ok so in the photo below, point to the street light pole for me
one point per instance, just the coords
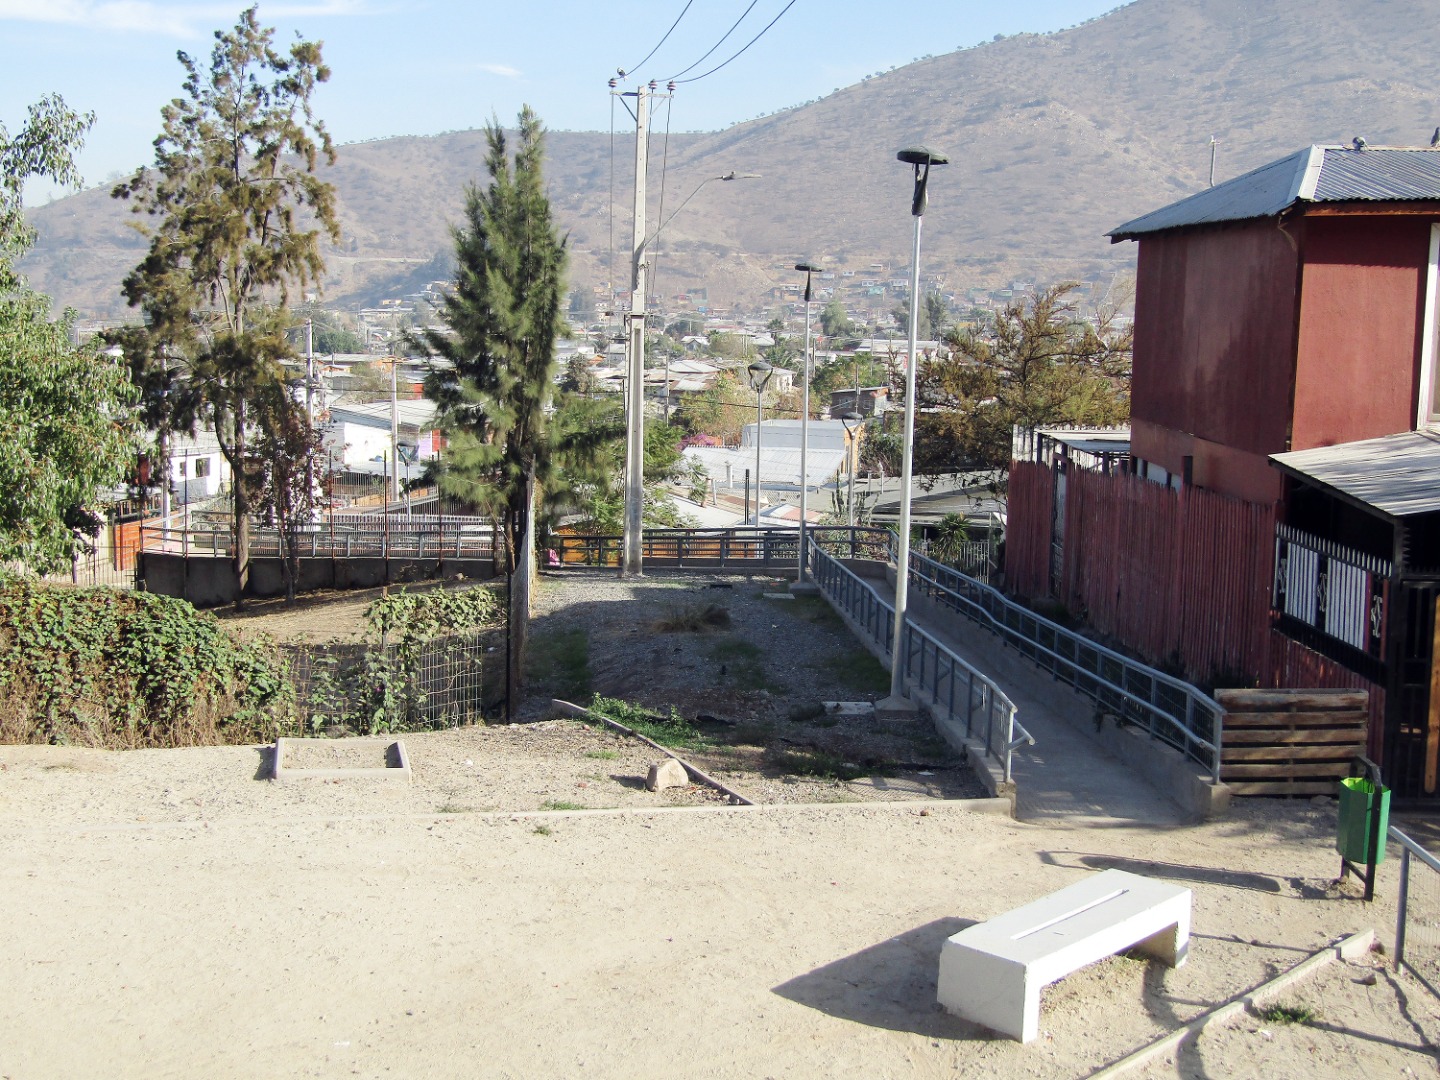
(921, 158)
(808, 269)
(760, 373)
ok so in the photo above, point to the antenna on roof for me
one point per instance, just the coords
(1213, 144)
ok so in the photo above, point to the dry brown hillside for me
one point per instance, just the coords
(1054, 140)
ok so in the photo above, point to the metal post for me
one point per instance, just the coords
(1404, 908)
(394, 428)
(902, 557)
(922, 160)
(632, 559)
(759, 420)
(805, 424)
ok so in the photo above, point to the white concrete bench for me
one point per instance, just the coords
(991, 973)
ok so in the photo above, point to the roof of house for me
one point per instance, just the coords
(1397, 475)
(1317, 174)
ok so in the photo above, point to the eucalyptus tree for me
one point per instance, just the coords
(64, 410)
(235, 212)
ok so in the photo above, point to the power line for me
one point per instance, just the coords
(652, 52)
(717, 44)
(737, 56)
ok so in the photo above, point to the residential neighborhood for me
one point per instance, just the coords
(933, 580)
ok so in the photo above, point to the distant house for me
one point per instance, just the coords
(1278, 520)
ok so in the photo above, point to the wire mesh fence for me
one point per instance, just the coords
(1417, 922)
(343, 688)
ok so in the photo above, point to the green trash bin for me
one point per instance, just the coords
(1359, 800)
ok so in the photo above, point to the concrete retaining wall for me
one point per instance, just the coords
(208, 582)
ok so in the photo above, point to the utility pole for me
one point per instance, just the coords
(635, 390)
(395, 427)
(310, 412)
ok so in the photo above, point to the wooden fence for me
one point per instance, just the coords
(1027, 533)
(1182, 577)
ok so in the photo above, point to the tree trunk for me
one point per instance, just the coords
(521, 581)
(241, 561)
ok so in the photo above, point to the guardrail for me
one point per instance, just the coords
(1169, 709)
(1417, 940)
(964, 695)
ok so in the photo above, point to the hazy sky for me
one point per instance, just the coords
(412, 67)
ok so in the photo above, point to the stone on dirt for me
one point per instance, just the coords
(666, 774)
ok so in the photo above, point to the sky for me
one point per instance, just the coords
(421, 67)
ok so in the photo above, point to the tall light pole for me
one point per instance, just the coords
(809, 270)
(920, 158)
(759, 373)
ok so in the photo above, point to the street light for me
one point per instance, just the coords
(759, 373)
(920, 158)
(809, 270)
(631, 562)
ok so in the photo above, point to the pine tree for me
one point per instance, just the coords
(495, 393)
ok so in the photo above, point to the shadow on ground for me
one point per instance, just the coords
(890, 985)
(1207, 875)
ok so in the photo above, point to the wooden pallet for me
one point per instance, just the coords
(1290, 742)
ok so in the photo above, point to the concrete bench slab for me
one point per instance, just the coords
(992, 973)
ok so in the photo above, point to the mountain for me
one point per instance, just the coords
(1053, 139)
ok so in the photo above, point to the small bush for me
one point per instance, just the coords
(672, 731)
(1288, 1014)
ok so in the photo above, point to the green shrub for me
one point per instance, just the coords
(99, 667)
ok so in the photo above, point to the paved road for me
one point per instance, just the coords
(1068, 775)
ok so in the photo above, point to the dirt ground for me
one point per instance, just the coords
(175, 913)
(169, 914)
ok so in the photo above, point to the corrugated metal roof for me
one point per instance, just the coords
(1399, 475)
(1316, 174)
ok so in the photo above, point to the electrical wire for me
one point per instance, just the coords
(717, 44)
(737, 56)
(652, 52)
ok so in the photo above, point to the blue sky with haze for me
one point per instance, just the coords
(418, 68)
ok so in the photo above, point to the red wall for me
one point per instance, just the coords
(1215, 314)
(1361, 308)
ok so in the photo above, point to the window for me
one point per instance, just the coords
(202, 467)
(1428, 412)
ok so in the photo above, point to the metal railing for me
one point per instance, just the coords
(960, 694)
(738, 548)
(1417, 921)
(372, 540)
(1169, 709)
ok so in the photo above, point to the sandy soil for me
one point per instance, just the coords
(169, 914)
